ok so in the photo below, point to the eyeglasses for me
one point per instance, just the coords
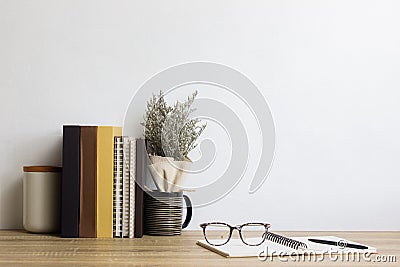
(218, 233)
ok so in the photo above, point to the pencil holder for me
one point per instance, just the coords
(41, 199)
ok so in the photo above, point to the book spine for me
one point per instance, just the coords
(88, 177)
(70, 182)
(132, 178)
(141, 168)
(118, 187)
(105, 174)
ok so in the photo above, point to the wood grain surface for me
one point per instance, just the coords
(19, 248)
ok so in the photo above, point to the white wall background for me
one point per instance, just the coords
(330, 71)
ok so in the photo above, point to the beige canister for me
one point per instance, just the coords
(42, 199)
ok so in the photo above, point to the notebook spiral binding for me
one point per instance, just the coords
(285, 241)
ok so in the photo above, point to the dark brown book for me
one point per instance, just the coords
(142, 161)
(70, 181)
(88, 178)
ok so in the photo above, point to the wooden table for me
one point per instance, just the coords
(18, 247)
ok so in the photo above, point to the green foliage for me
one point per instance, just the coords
(168, 130)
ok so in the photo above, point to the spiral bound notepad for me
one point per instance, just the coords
(275, 245)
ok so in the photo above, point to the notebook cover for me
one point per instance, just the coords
(88, 150)
(132, 179)
(105, 176)
(125, 185)
(141, 165)
(70, 181)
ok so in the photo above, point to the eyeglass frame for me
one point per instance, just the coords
(237, 227)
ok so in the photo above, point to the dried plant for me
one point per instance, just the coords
(169, 131)
(156, 113)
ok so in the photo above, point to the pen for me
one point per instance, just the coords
(337, 243)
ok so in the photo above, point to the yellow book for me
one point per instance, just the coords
(105, 176)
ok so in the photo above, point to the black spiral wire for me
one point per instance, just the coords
(285, 241)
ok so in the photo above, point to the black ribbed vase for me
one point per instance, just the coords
(163, 213)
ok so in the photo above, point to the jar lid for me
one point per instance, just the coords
(42, 169)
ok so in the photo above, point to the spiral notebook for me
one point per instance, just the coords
(276, 245)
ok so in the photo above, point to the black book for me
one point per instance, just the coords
(141, 170)
(70, 181)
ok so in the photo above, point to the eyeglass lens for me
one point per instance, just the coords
(253, 234)
(217, 234)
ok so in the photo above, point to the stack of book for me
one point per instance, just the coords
(103, 174)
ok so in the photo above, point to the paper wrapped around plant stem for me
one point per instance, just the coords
(182, 171)
(156, 159)
(168, 175)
